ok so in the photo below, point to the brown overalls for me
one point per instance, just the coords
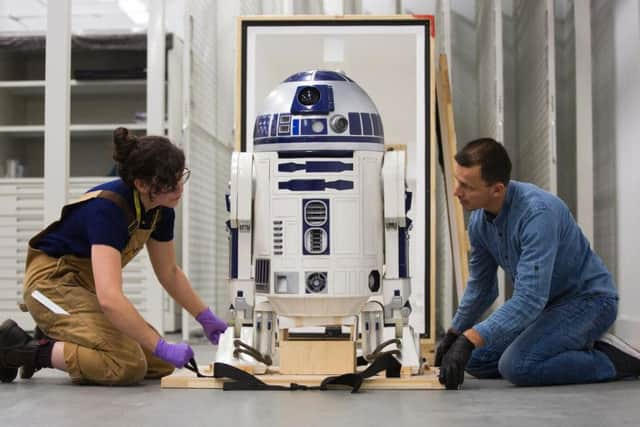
(95, 351)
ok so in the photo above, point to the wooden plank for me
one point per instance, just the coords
(427, 350)
(317, 357)
(426, 381)
(459, 241)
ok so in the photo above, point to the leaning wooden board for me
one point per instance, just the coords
(427, 381)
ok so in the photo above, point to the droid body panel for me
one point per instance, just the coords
(318, 226)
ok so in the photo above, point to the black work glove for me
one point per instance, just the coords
(443, 346)
(454, 362)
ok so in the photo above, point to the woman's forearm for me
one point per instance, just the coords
(180, 290)
(127, 320)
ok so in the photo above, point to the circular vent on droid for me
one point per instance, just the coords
(316, 282)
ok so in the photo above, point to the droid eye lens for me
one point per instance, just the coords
(309, 96)
(339, 123)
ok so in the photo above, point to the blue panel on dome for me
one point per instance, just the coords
(366, 124)
(329, 75)
(274, 125)
(305, 76)
(261, 128)
(320, 138)
(296, 127)
(330, 100)
(379, 122)
(312, 99)
(300, 77)
(376, 124)
(354, 124)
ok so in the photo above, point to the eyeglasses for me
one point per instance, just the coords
(186, 174)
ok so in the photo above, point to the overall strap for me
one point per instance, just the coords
(138, 206)
(132, 219)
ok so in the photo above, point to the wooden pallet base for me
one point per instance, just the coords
(426, 381)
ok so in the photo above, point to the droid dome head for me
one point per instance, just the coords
(318, 111)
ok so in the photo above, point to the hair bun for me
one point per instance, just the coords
(120, 134)
(123, 144)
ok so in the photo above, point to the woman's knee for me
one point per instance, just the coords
(120, 367)
(130, 372)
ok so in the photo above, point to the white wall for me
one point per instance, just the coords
(463, 69)
(627, 129)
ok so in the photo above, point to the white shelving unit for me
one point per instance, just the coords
(98, 106)
(21, 217)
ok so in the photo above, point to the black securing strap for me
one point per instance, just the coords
(245, 381)
(386, 362)
(193, 367)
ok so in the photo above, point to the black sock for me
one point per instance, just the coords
(43, 354)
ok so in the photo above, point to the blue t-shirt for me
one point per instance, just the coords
(101, 222)
(541, 248)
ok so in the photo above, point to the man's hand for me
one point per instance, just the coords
(454, 362)
(444, 345)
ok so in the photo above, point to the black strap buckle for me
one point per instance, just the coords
(193, 367)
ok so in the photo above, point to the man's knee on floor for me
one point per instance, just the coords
(512, 367)
(482, 365)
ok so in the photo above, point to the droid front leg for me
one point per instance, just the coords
(238, 341)
(396, 282)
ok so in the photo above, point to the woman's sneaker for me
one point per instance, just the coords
(625, 358)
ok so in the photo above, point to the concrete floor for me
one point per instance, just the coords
(49, 399)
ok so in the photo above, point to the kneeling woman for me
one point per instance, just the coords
(77, 263)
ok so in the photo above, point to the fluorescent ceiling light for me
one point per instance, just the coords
(136, 10)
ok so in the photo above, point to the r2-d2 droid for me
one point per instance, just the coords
(318, 227)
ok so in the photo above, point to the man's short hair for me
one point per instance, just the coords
(495, 165)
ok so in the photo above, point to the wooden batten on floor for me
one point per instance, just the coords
(426, 381)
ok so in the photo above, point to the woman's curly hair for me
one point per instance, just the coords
(155, 160)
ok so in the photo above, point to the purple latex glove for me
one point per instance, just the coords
(213, 326)
(176, 354)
